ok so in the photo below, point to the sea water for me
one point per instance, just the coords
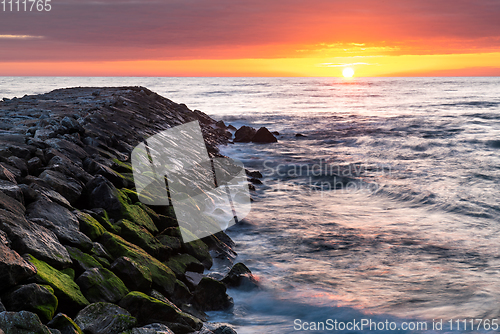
(385, 208)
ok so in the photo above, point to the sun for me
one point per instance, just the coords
(348, 72)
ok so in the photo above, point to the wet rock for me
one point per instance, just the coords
(244, 134)
(64, 324)
(300, 135)
(240, 276)
(89, 226)
(33, 298)
(149, 310)
(263, 135)
(220, 328)
(199, 250)
(135, 276)
(104, 318)
(22, 322)
(71, 299)
(181, 263)
(210, 295)
(53, 212)
(254, 174)
(102, 194)
(150, 329)
(67, 148)
(13, 268)
(42, 192)
(276, 133)
(66, 186)
(101, 285)
(28, 237)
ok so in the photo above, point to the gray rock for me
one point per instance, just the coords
(66, 186)
(28, 237)
(102, 194)
(42, 192)
(7, 175)
(101, 285)
(67, 147)
(53, 212)
(65, 235)
(33, 298)
(151, 329)
(13, 268)
(12, 190)
(22, 322)
(19, 164)
(104, 318)
(43, 134)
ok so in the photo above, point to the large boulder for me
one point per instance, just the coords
(10, 204)
(150, 310)
(210, 295)
(161, 275)
(135, 276)
(22, 322)
(104, 318)
(53, 212)
(13, 268)
(66, 290)
(244, 134)
(28, 237)
(68, 187)
(12, 190)
(263, 135)
(101, 285)
(34, 298)
(65, 235)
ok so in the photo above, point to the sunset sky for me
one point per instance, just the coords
(253, 38)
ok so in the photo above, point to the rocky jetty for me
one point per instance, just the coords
(78, 252)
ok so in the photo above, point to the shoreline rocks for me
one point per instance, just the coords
(78, 251)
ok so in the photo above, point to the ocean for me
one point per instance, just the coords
(379, 203)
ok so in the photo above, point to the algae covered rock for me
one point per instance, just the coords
(150, 310)
(33, 298)
(162, 276)
(82, 261)
(89, 226)
(136, 276)
(141, 236)
(66, 290)
(64, 324)
(104, 318)
(101, 285)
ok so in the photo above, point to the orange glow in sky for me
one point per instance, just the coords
(254, 38)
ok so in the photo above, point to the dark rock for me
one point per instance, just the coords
(7, 175)
(244, 134)
(220, 124)
(131, 273)
(255, 180)
(28, 237)
(64, 324)
(22, 322)
(255, 174)
(34, 165)
(150, 310)
(89, 226)
(65, 235)
(102, 194)
(64, 165)
(220, 328)
(33, 298)
(19, 164)
(96, 168)
(101, 285)
(300, 135)
(240, 276)
(104, 318)
(210, 295)
(264, 136)
(12, 190)
(66, 186)
(199, 250)
(13, 268)
(2, 307)
(276, 133)
(71, 124)
(82, 261)
(151, 329)
(42, 192)
(11, 205)
(71, 299)
(53, 212)
(67, 147)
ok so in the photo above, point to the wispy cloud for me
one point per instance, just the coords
(342, 64)
(19, 37)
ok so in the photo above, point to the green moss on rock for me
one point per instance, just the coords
(135, 213)
(64, 324)
(67, 291)
(89, 226)
(139, 235)
(101, 285)
(161, 275)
